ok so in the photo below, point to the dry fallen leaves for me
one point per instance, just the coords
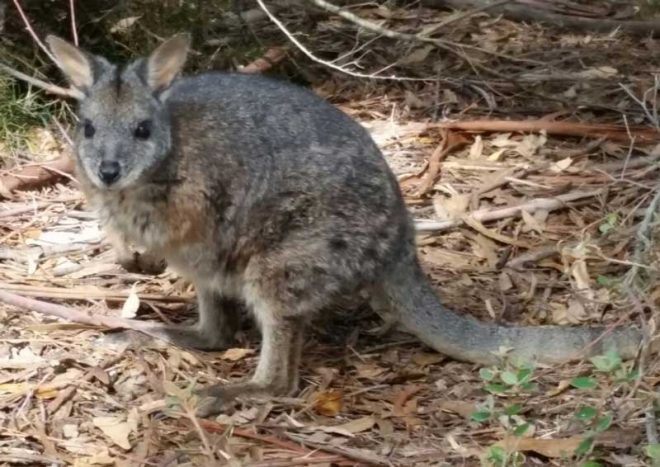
(235, 354)
(349, 429)
(328, 403)
(561, 447)
(118, 429)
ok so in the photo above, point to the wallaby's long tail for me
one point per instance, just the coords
(407, 290)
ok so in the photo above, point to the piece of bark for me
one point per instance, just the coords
(268, 60)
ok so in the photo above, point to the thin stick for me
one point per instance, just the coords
(376, 28)
(613, 132)
(484, 215)
(331, 65)
(48, 87)
(71, 314)
(367, 457)
(28, 26)
(83, 293)
(74, 33)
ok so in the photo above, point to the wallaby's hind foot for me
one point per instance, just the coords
(276, 373)
(216, 398)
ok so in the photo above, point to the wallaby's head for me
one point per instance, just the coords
(124, 128)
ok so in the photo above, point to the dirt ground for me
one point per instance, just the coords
(70, 396)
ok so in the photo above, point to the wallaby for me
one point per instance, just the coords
(262, 193)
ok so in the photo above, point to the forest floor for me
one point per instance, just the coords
(570, 255)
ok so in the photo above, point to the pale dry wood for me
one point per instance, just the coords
(485, 215)
(565, 128)
(71, 314)
(88, 293)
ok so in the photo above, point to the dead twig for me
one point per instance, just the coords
(592, 130)
(334, 66)
(355, 454)
(215, 427)
(485, 215)
(72, 12)
(48, 87)
(450, 142)
(376, 28)
(88, 293)
(70, 314)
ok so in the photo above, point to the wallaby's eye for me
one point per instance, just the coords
(143, 130)
(88, 129)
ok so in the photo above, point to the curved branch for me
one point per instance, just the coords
(48, 87)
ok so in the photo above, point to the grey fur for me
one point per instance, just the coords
(262, 192)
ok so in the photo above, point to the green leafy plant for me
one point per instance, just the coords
(497, 456)
(516, 379)
(609, 224)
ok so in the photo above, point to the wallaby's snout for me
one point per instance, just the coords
(109, 172)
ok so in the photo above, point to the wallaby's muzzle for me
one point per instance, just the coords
(109, 172)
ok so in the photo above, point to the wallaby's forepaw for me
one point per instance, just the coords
(219, 397)
(142, 263)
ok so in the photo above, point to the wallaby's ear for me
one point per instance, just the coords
(165, 63)
(77, 66)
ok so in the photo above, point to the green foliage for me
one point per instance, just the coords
(608, 362)
(497, 456)
(518, 379)
(584, 382)
(610, 223)
(652, 451)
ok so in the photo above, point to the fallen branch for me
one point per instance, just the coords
(31, 176)
(525, 11)
(592, 130)
(484, 215)
(88, 293)
(215, 427)
(48, 87)
(450, 142)
(71, 314)
(532, 256)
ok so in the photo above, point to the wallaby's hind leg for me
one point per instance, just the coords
(277, 370)
(219, 318)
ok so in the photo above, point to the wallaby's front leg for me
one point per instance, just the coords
(219, 318)
(277, 370)
(134, 261)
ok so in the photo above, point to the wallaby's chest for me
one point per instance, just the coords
(162, 224)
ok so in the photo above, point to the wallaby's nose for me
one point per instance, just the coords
(109, 172)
